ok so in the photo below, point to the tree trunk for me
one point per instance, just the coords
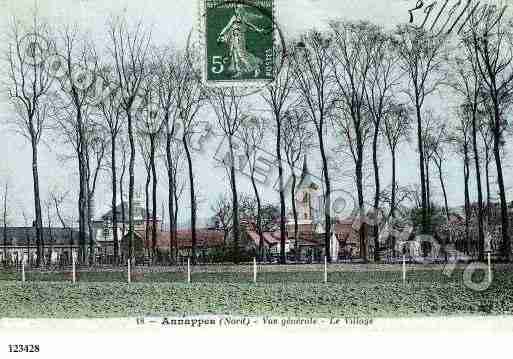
(82, 198)
(192, 199)
(154, 195)
(424, 214)
(446, 204)
(442, 184)
(506, 245)
(171, 186)
(428, 192)
(327, 195)
(376, 190)
(481, 238)
(121, 195)
(146, 216)
(294, 213)
(37, 204)
(392, 200)
(50, 233)
(281, 185)
(114, 201)
(466, 174)
(487, 174)
(175, 223)
(361, 209)
(81, 208)
(235, 204)
(131, 185)
(89, 205)
(90, 214)
(259, 216)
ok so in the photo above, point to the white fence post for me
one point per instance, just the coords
(129, 277)
(23, 271)
(325, 269)
(404, 268)
(188, 269)
(489, 268)
(73, 269)
(254, 270)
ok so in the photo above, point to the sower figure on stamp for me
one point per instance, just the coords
(234, 35)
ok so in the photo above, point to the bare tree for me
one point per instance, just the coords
(89, 142)
(379, 92)
(75, 119)
(144, 150)
(462, 139)
(29, 84)
(314, 82)
(95, 148)
(493, 49)
(174, 157)
(164, 74)
(359, 57)
(435, 140)
(252, 132)
(223, 217)
(432, 129)
(395, 127)
(150, 126)
(279, 95)
(129, 50)
(123, 146)
(230, 112)
(113, 120)
(421, 58)
(189, 99)
(58, 198)
(486, 136)
(469, 85)
(296, 143)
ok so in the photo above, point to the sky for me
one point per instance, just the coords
(171, 21)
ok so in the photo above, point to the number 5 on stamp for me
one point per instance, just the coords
(239, 38)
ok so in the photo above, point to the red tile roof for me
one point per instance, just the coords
(204, 238)
(270, 238)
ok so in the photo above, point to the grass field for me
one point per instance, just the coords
(292, 293)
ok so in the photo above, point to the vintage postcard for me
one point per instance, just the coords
(248, 173)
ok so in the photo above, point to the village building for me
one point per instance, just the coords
(103, 228)
(311, 231)
(20, 244)
(309, 240)
(208, 241)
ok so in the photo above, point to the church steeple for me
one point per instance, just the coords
(305, 168)
(306, 180)
(306, 189)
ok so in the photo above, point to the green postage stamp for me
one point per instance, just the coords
(238, 42)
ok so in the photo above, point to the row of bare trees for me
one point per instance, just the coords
(355, 85)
